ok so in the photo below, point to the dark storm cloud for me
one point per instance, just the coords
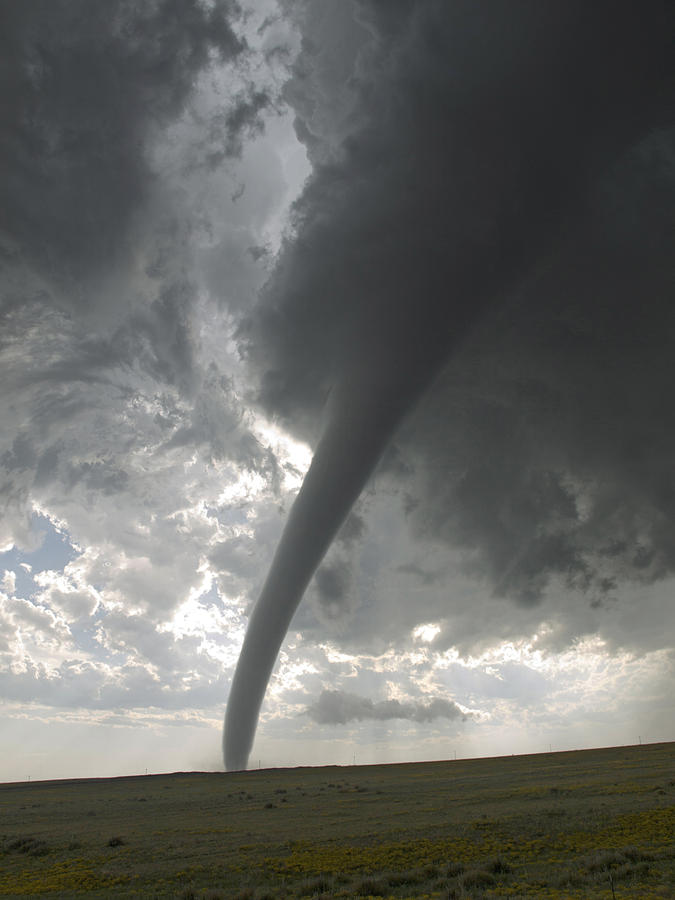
(85, 88)
(545, 450)
(500, 96)
(107, 109)
(340, 707)
(556, 402)
(96, 229)
(469, 142)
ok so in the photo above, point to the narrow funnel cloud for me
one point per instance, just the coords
(455, 183)
(344, 459)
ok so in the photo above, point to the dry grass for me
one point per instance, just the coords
(588, 824)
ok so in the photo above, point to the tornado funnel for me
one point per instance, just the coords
(453, 187)
(357, 433)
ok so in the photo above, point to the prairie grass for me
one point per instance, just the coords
(583, 824)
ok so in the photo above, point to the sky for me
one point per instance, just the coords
(426, 244)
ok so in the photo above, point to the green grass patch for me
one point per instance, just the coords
(587, 824)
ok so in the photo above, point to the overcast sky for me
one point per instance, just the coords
(229, 230)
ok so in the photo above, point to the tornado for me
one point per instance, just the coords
(423, 227)
(358, 431)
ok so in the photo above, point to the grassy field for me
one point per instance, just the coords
(587, 824)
